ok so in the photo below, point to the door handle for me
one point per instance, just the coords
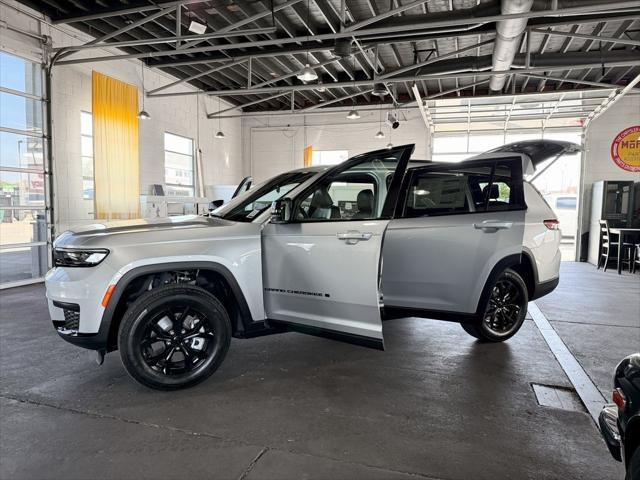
(353, 236)
(492, 226)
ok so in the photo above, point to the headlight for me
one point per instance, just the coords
(78, 258)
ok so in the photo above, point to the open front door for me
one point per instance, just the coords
(243, 186)
(321, 270)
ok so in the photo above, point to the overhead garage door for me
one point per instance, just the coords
(272, 152)
(24, 222)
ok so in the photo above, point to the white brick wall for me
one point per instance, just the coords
(598, 164)
(333, 132)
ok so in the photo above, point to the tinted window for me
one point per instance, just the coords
(493, 186)
(447, 192)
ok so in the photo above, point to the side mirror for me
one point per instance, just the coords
(215, 204)
(281, 210)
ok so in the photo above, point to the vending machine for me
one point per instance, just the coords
(611, 200)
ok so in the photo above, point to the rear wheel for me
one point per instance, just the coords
(174, 337)
(505, 310)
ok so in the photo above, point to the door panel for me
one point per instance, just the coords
(455, 223)
(315, 276)
(442, 263)
(321, 271)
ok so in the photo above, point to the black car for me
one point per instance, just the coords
(620, 420)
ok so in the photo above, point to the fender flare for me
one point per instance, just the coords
(497, 269)
(137, 272)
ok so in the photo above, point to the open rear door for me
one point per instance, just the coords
(321, 270)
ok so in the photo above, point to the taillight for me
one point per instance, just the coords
(619, 399)
(552, 224)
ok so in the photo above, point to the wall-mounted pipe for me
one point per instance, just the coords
(508, 34)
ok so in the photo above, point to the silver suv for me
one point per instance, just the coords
(325, 251)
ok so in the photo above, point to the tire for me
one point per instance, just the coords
(174, 337)
(633, 468)
(505, 310)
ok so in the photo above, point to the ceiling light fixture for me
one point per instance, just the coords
(197, 27)
(379, 90)
(380, 133)
(307, 74)
(143, 114)
(389, 145)
(219, 133)
(353, 114)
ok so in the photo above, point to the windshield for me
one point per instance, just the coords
(258, 199)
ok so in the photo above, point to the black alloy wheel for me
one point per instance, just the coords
(178, 339)
(174, 337)
(505, 311)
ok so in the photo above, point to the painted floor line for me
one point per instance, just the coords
(588, 392)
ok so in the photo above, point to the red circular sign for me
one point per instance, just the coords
(625, 149)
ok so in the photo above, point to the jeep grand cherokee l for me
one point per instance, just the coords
(326, 251)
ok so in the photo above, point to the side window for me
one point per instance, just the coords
(494, 186)
(356, 193)
(447, 191)
(348, 197)
(506, 188)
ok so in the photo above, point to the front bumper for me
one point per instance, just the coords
(74, 297)
(608, 421)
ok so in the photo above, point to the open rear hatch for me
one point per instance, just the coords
(538, 152)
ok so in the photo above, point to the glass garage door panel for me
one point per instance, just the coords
(20, 113)
(24, 225)
(21, 263)
(20, 226)
(21, 151)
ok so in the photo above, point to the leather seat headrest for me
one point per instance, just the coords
(365, 201)
(494, 193)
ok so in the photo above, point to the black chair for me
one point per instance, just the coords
(636, 258)
(608, 248)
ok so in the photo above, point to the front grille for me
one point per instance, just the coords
(71, 319)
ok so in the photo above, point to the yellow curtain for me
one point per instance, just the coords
(308, 156)
(115, 146)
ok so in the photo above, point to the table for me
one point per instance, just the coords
(622, 232)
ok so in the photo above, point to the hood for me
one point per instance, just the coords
(118, 227)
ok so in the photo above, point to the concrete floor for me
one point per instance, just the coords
(435, 404)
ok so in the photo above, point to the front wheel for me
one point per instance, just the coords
(174, 336)
(505, 310)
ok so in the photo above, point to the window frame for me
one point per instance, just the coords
(393, 189)
(82, 157)
(192, 186)
(516, 177)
